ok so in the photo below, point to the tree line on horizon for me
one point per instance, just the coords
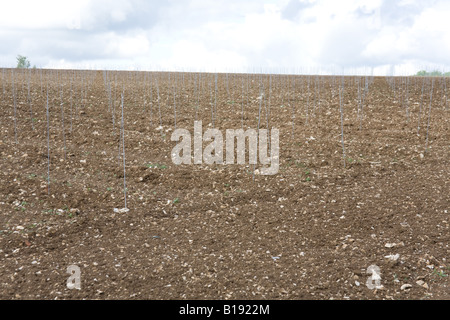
(435, 73)
(24, 63)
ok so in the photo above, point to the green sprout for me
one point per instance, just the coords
(156, 165)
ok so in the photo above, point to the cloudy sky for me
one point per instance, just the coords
(319, 36)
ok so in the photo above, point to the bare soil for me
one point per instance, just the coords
(222, 231)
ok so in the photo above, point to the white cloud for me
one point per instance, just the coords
(228, 34)
(44, 14)
(195, 56)
(126, 46)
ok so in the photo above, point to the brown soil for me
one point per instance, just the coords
(220, 231)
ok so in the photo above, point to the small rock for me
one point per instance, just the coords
(74, 210)
(404, 224)
(422, 284)
(405, 287)
(393, 257)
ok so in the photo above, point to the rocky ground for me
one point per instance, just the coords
(315, 230)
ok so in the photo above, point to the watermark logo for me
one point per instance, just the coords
(214, 151)
(74, 281)
(374, 281)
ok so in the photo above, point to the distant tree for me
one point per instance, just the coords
(435, 73)
(22, 62)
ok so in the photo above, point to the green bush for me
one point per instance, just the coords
(22, 62)
(434, 73)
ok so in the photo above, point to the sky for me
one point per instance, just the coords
(380, 37)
